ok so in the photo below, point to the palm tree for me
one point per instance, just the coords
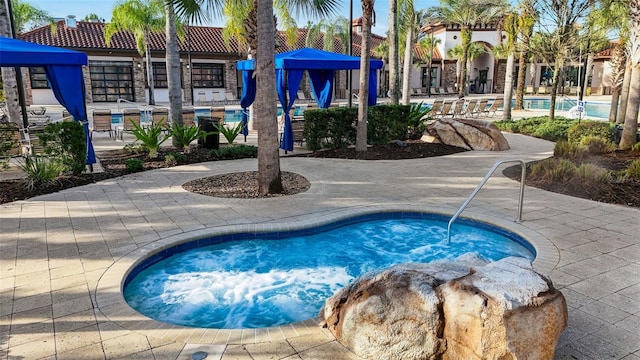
(329, 31)
(141, 17)
(467, 14)
(618, 65)
(23, 14)
(633, 102)
(392, 39)
(173, 66)
(428, 45)
(474, 50)
(27, 16)
(511, 30)
(365, 56)
(258, 33)
(411, 23)
(526, 20)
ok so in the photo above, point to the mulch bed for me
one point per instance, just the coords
(226, 185)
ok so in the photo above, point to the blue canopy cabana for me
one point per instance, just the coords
(290, 67)
(64, 72)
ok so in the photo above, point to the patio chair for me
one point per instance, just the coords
(66, 115)
(458, 108)
(160, 116)
(434, 92)
(542, 90)
(482, 105)
(446, 109)
(202, 98)
(443, 91)
(436, 107)
(418, 92)
(529, 90)
(129, 117)
(101, 121)
(32, 138)
(188, 116)
(451, 91)
(302, 97)
(495, 106)
(470, 108)
(297, 126)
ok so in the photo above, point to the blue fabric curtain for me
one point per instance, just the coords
(247, 98)
(67, 83)
(287, 80)
(373, 88)
(322, 86)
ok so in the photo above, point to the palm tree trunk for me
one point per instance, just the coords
(615, 101)
(618, 62)
(522, 72)
(9, 80)
(465, 34)
(631, 117)
(394, 67)
(624, 93)
(269, 180)
(173, 69)
(152, 100)
(508, 87)
(408, 65)
(554, 89)
(363, 105)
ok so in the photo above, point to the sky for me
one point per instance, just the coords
(81, 8)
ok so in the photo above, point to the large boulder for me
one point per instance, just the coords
(470, 134)
(462, 309)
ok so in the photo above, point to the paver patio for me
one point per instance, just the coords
(62, 255)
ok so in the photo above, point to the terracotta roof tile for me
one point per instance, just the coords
(205, 40)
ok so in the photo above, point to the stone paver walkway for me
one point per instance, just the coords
(63, 255)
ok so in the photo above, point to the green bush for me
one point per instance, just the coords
(235, 152)
(553, 170)
(567, 150)
(134, 165)
(65, 141)
(597, 145)
(633, 170)
(589, 174)
(134, 149)
(230, 133)
(582, 129)
(539, 126)
(40, 170)
(416, 121)
(185, 135)
(173, 158)
(636, 148)
(151, 137)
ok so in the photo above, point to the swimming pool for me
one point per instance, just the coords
(251, 280)
(592, 108)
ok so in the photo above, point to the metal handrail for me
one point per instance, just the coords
(146, 109)
(481, 184)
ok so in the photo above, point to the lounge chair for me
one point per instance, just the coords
(458, 108)
(230, 98)
(101, 121)
(434, 92)
(495, 107)
(529, 90)
(202, 98)
(446, 109)
(218, 98)
(443, 91)
(470, 109)
(419, 92)
(129, 117)
(480, 108)
(436, 107)
(160, 116)
(34, 146)
(451, 91)
(302, 97)
(188, 116)
(542, 90)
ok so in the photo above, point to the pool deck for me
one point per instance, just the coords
(63, 255)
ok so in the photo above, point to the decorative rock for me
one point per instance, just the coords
(470, 134)
(461, 309)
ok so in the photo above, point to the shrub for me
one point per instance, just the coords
(416, 121)
(151, 137)
(539, 126)
(134, 165)
(9, 138)
(134, 149)
(235, 152)
(567, 150)
(173, 158)
(579, 130)
(553, 170)
(587, 174)
(185, 135)
(230, 133)
(633, 170)
(65, 141)
(636, 148)
(41, 171)
(597, 145)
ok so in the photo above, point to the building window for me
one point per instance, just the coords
(434, 77)
(38, 78)
(208, 75)
(111, 81)
(159, 75)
